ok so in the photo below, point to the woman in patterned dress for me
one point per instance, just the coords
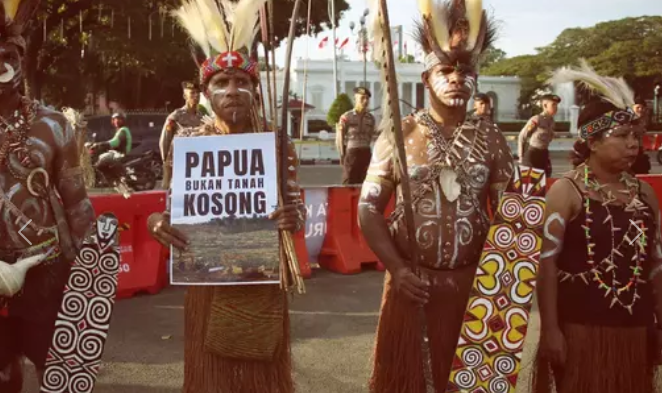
(600, 261)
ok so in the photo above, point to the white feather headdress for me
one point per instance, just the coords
(220, 26)
(613, 90)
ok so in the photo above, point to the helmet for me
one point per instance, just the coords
(118, 115)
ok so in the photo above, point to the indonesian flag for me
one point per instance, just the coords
(344, 43)
(323, 43)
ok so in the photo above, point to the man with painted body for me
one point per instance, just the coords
(455, 166)
(229, 79)
(354, 135)
(188, 116)
(538, 134)
(44, 206)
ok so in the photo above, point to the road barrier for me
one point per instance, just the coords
(332, 236)
(143, 262)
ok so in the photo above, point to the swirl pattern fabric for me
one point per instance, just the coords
(81, 329)
(489, 351)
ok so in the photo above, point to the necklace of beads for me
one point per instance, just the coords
(607, 265)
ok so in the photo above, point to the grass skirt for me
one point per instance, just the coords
(398, 363)
(601, 360)
(206, 372)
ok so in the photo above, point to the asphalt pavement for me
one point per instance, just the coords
(333, 329)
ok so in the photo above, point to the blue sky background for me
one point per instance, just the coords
(525, 24)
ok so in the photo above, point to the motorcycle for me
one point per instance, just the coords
(127, 174)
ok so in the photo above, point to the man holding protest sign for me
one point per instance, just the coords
(222, 357)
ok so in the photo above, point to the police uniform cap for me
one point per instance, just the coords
(190, 86)
(482, 97)
(551, 97)
(362, 90)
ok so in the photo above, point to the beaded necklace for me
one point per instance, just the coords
(599, 271)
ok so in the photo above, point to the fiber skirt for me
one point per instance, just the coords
(207, 372)
(601, 360)
(398, 363)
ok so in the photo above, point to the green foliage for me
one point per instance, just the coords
(492, 55)
(340, 105)
(409, 59)
(64, 64)
(630, 47)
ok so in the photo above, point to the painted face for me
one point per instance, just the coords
(192, 97)
(550, 107)
(231, 94)
(452, 86)
(482, 108)
(361, 101)
(618, 148)
(11, 73)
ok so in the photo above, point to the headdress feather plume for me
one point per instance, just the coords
(613, 90)
(11, 8)
(474, 12)
(219, 26)
(437, 16)
(189, 17)
(379, 53)
(456, 31)
(244, 22)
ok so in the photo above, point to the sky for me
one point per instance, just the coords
(525, 24)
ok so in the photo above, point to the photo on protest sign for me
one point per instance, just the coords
(223, 190)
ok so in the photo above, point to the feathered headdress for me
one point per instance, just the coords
(15, 16)
(612, 90)
(224, 31)
(456, 32)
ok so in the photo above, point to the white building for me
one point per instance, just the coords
(504, 91)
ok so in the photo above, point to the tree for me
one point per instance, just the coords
(407, 59)
(340, 105)
(64, 63)
(492, 55)
(629, 48)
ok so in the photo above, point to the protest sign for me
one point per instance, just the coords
(223, 190)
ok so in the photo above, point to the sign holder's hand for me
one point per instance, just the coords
(159, 227)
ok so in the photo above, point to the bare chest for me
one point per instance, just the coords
(26, 172)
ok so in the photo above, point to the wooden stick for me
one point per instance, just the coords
(282, 143)
(394, 103)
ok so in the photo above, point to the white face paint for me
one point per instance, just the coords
(8, 75)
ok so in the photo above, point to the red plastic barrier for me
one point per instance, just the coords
(142, 267)
(345, 250)
(651, 142)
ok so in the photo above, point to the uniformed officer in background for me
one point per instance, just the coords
(354, 134)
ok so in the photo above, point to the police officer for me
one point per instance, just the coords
(354, 133)
(538, 134)
(483, 107)
(188, 116)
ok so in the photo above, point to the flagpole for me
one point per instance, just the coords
(335, 59)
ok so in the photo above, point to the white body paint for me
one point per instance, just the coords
(8, 75)
(554, 217)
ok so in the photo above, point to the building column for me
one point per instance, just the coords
(304, 119)
(289, 124)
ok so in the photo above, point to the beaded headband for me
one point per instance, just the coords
(225, 61)
(606, 122)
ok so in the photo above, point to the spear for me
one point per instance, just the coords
(282, 144)
(392, 121)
